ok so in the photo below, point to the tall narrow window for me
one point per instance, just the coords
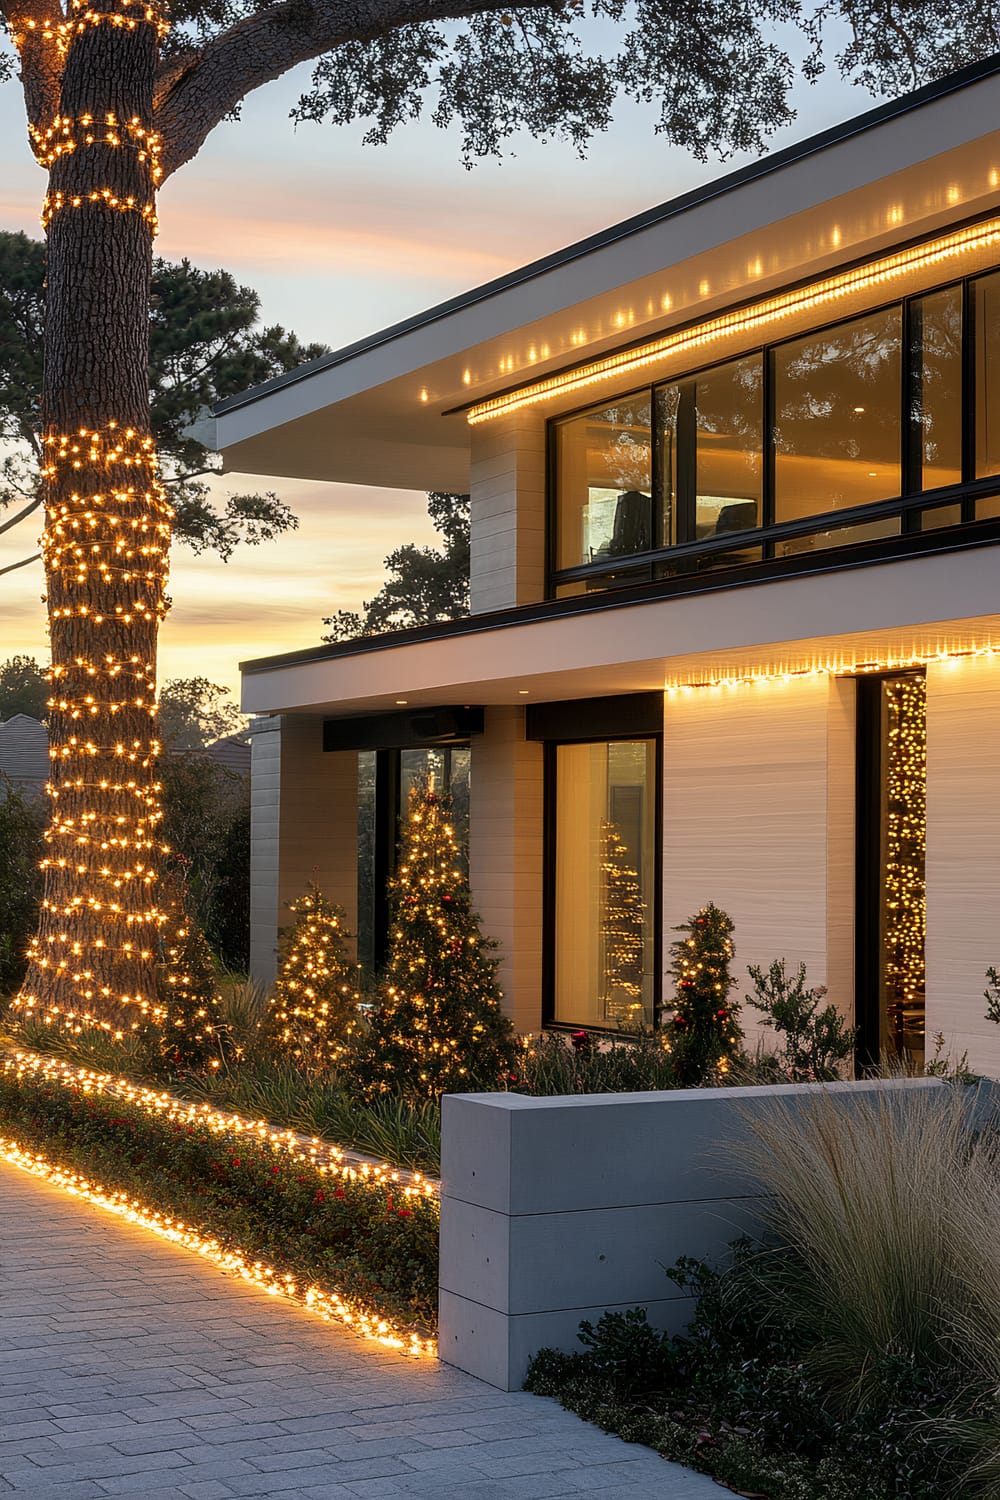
(605, 863)
(892, 860)
(837, 410)
(604, 476)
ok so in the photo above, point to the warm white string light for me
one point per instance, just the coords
(771, 310)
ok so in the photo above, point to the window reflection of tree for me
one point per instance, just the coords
(823, 380)
(936, 396)
(627, 456)
(728, 404)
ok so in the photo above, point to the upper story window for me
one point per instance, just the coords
(820, 441)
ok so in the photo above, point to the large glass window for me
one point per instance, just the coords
(874, 409)
(604, 463)
(605, 865)
(838, 416)
(986, 302)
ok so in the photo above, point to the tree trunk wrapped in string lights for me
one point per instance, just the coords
(107, 533)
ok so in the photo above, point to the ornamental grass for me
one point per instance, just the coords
(885, 1212)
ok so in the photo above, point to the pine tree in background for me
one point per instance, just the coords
(705, 1034)
(437, 1026)
(314, 1004)
(623, 920)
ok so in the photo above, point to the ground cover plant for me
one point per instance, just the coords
(855, 1348)
(370, 1240)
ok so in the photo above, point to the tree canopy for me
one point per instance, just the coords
(205, 343)
(424, 584)
(194, 712)
(23, 688)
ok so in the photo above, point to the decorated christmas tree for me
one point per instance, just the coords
(623, 919)
(314, 1004)
(704, 1026)
(437, 1026)
(191, 1032)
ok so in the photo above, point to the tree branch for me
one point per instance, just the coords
(28, 21)
(12, 567)
(21, 516)
(197, 90)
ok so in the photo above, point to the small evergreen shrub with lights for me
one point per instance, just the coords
(192, 1035)
(313, 1009)
(436, 1026)
(703, 1023)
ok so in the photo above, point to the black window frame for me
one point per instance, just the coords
(692, 557)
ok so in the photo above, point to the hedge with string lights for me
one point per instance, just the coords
(369, 1241)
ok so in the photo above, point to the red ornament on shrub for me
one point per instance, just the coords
(581, 1041)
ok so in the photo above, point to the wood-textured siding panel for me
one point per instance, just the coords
(747, 821)
(505, 856)
(963, 856)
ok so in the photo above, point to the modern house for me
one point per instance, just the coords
(735, 631)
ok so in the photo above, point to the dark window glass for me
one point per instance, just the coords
(669, 441)
(936, 391)
(986, 295)
(603, 469)
(839, 536)
(710, 437)
(941, 516)
(837, 417)
(988, 508)
(367, 834)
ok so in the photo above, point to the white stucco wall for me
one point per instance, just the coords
(303, 828)
(758, 816)
(505, 857)
(963, 855)
(507, 486)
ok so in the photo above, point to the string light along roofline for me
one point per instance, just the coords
(826, 292)
(841, 667)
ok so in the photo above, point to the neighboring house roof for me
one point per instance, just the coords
(24, 751)
(233, 752)
(383, 411)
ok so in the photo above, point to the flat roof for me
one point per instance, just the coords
(382, 411)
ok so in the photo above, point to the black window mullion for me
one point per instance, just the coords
(767, 448)
(968, 394)
(911, 397)
(687, 461)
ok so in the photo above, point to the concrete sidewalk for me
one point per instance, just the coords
(131, 1367)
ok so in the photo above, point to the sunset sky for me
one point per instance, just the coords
(340, 240)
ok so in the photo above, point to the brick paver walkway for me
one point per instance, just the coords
(131, 1367)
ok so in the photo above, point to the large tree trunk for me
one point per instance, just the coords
(107, 535)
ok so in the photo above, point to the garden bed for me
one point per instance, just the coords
(352, 1240)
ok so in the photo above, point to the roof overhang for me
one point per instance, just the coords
(892, 612)
(383, 412)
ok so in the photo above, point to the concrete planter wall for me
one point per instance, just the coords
(553, 1210)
